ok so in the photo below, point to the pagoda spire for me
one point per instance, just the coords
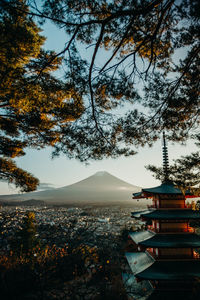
(165, 159)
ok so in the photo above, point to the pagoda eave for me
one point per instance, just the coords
(166, 188)
(171, 270)
(170, 214)
(144, 267)
(149, 239)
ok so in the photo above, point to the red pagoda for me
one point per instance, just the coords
(166, 254)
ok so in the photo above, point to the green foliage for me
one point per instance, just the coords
(142, 42)
(65, 270)
(33, 106)
(22, 179)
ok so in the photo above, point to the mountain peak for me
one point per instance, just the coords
(101, 173)
(102, 187)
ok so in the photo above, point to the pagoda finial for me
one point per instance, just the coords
(165, 160)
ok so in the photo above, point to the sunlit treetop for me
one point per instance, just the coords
(34, 104)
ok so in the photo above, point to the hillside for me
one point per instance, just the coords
(100, 188)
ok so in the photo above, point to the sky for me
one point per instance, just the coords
(62, 171)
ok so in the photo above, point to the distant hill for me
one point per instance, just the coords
(99, 189)
(31, 202)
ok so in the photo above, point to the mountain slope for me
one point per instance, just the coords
(98, 188)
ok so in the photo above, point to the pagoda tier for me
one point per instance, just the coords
(167, 255)
(143, 266)
(166, 188)
(148, 239)
(168, 214)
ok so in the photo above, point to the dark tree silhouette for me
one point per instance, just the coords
(26, 239)
(141, 39)
(185, 172)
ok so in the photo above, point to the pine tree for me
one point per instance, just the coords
(154, 44)
(33, 106)
(26, 239)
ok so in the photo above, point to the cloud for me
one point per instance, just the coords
(43, 186)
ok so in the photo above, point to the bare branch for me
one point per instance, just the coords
(90, 74)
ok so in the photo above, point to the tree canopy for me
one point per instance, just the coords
(32, 105)
(141, 75)
(154, 44)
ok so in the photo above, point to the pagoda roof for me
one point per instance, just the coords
(140, 236)
(170, 214)
(165, 188)
(149, 269)
(171, 270)
(137, 214)
(152, 240)
(139, 261)
(137, 195)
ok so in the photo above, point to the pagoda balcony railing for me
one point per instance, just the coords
(172, 230)
(195, 256)
(174, 206)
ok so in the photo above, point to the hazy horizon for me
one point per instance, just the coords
(100, 188)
